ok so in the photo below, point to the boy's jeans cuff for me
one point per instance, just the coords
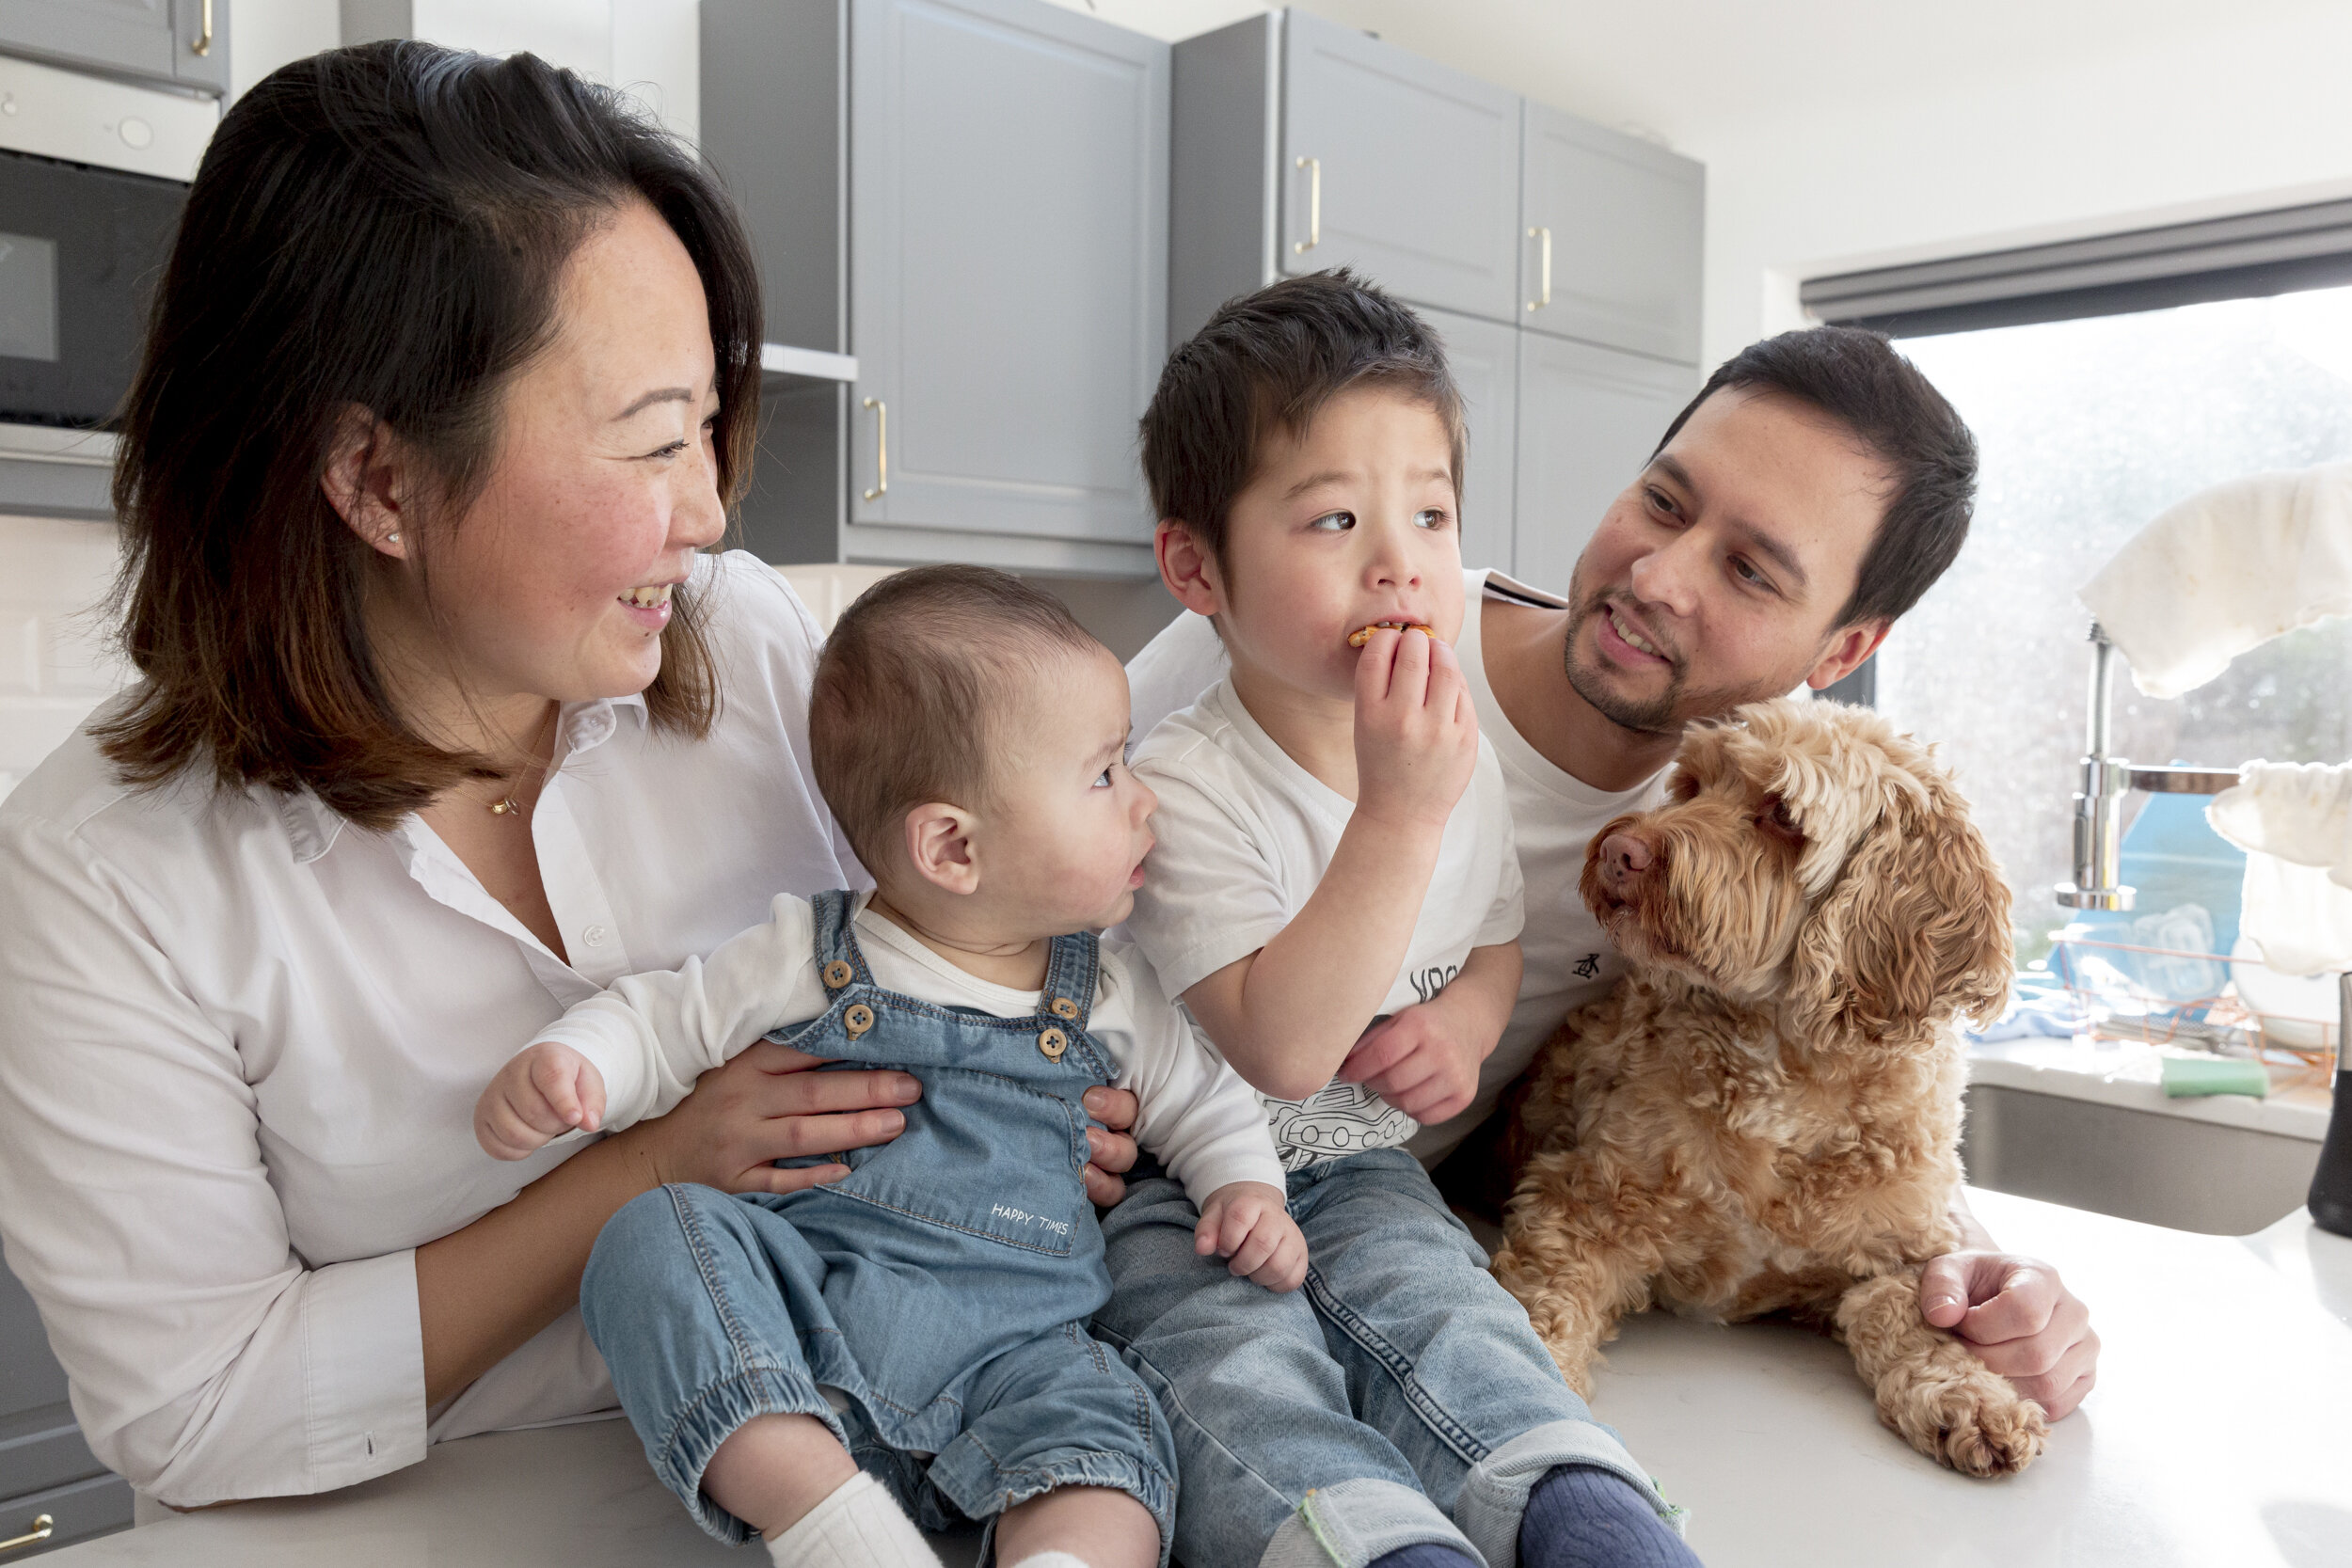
(1356, 1522)
(1494, 1498)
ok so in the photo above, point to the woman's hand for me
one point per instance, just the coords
(767, 1105)
(1113, 1153)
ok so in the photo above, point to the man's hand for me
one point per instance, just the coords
(1251, 1222)
(1416, 730)
(1423, 1060)
(2019, 1318)
(543, 1092)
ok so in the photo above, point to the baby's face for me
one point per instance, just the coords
(1067, 833)
(1351, 523)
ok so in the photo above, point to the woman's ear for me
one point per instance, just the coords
(939, 843)
(1190, 571)
(367, 482)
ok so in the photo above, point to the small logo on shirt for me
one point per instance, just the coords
(1588, 966)
(1022, 1216)
(1429, 982)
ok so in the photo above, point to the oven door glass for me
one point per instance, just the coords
(81, 250)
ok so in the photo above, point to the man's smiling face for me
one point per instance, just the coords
(1716, 577)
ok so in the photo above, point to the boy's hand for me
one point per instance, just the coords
(1416, 731)
(1251, 1222)
(540, 1093)
(1423, 1060)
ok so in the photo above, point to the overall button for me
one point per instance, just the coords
(860, 1018)
(839, 973)
(1062, 1007)
(1053, 1043)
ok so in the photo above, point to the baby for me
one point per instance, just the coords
(1336, 898)
(912, 1338)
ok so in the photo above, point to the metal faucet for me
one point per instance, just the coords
(2106, 779)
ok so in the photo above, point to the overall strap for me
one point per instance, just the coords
(836, 943)
(1071, 977)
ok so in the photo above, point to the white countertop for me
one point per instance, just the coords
(2220, 1433)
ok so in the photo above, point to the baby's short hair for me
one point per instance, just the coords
(1269, 361)
(914, 691)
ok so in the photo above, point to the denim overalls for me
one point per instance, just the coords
(942, 1286)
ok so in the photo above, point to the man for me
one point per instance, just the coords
(1815, 488)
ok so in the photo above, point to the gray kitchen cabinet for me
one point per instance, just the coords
(1589, 419)
(1402, 168)
(158, 39)
(1485, 356)
(970, 196)
(1622, 220)
(45, 1467)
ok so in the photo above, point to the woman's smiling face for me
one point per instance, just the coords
(556, 581)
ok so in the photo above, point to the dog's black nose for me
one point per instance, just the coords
(1623, 855)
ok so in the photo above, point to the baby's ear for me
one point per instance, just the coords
(939, 845)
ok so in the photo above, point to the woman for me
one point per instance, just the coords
(444, 721)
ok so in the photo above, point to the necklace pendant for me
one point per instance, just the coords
(505, 807)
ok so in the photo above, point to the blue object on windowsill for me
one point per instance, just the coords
(2189, 881)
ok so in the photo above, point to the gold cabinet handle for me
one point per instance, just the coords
(1543, 294)
(1314, 205)
(43, 1528)
(203, 46)
(882, 449)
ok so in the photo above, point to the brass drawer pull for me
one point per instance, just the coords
(882, 449)
(201, 48)
(1543, 294)
(1314, 205)
(43, 1528)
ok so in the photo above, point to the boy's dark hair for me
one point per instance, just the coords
(1269, 361)
(1856, 378)
(914, 689)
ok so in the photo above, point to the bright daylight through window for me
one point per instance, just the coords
(2089, 428)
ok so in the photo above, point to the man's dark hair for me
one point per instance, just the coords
(1269, 361)
(1856, 378)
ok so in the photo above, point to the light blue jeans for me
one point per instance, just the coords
(1399, 1397)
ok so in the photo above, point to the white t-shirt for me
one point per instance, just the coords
(1245, 835)
(652, 1035)
(1554, 815)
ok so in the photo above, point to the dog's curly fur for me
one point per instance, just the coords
(1764, 1116)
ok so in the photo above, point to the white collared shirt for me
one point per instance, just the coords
(244, 1040)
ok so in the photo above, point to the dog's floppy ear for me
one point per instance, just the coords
(1914, 930)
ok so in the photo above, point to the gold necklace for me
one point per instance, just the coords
(506, 805)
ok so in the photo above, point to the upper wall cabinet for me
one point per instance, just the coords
(1613, 229)
(1588, 421)
(970, 197)
(1399, 167)
(175, 41)
(1008, 250)
(1485, 358)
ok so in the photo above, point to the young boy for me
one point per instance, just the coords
(1336, 898)
(916, 1330)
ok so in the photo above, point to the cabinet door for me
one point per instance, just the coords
(1008, 268)
(40, 1446)
(1485, 360)
(199, 55)
(1626, 221)
(119, 35)
(1589, 419)
(1399, 167)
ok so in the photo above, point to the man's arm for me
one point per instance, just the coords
(2015, 1313)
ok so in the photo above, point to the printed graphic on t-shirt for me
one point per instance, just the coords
(1588, 966)
(1339, 1118)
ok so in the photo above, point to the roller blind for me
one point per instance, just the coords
(2146, 269)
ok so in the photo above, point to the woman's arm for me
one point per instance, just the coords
(485, 1290)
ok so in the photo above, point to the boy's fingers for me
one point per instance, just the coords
(1241, 1219)
(1253, 1252)
(1380, 1048)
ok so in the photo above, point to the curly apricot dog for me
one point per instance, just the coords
(1764, 1116)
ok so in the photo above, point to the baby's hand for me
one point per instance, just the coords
(1249, 1222)
(1416, 730)
(545, 1090)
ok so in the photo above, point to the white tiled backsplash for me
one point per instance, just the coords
(55, 666)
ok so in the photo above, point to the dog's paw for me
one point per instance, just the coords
(1978, 1430)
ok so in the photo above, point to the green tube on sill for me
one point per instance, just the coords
(2194, 1075)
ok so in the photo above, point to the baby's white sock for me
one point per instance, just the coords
(858, 1524)
(1050, 1559)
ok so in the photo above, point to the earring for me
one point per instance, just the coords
(391, 539)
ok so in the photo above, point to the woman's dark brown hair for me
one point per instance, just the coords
(382, 227)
